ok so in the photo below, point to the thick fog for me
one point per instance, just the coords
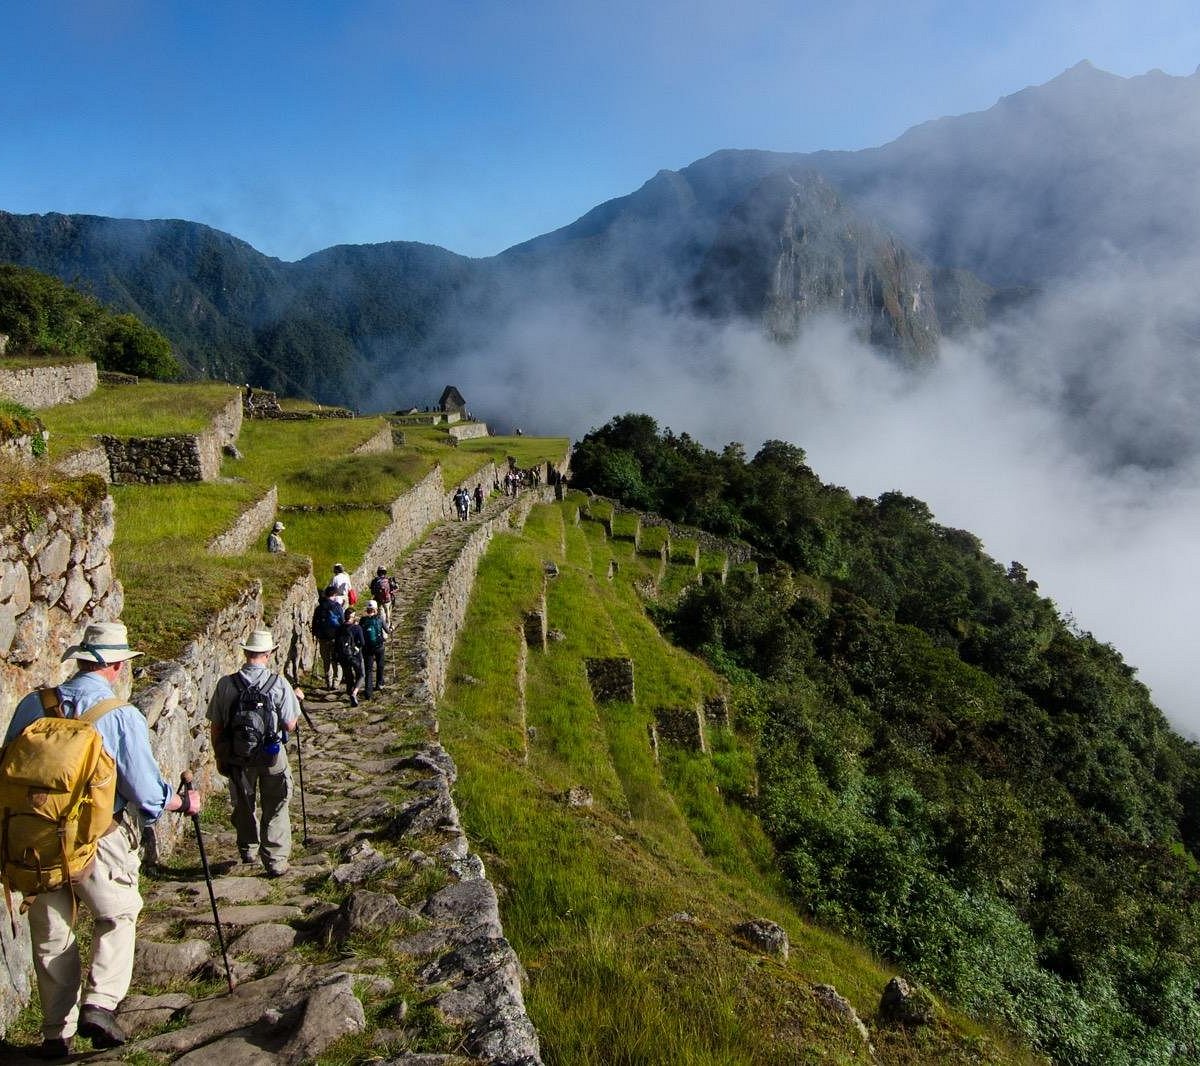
(1065, 436)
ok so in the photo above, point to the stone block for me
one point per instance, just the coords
(77, 594)
(764, 935)
(716, 710)
(32, 636)
(681, 725)
(610, 679)
(535, 629)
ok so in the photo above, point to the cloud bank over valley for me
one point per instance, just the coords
(1062, 435)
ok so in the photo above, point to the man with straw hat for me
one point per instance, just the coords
(251, 712)
(110, 891)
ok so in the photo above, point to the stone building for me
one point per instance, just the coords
(452, 402)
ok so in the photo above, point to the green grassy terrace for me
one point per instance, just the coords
(147, 409)
(622, 912)
(333, 503)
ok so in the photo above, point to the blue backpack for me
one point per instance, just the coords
(327, 619)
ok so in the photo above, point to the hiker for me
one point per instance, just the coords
(110, 889)
(275, 541)
(479, 498)
(462, 503)
(326, 621)
(383, 589)
(375, 633)
(250, 714)
(341, 583)
(348, 646)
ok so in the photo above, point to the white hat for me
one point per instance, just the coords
(372, 605)
(259, 641)
(279, 527)
(104, 643)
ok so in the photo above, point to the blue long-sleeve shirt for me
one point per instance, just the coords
(125, 735)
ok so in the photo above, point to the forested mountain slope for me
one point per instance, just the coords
(948, 768)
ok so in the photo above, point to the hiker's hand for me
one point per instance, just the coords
(185, 802)
(299, 694)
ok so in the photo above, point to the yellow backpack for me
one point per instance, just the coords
(57, 790)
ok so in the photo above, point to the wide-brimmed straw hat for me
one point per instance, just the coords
(279, 527)
(104, 643)
(259, 641)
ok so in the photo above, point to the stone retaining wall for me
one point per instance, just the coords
(468, 430)
(185, 457)
(380, 441)
(56, 576)
(425, 503)
(248, 527)
(88, 461)
(736, 550)
(611, 680)
(46, 386)
(412, 514)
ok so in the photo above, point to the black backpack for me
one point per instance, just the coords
(327, 619)
(254, 726)
(345, 646)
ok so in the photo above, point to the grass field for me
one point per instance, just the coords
(172, 585)
(147, 409)
(622, 912)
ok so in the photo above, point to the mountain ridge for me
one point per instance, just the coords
(1048, 182)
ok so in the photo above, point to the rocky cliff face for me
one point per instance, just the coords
(793, 249)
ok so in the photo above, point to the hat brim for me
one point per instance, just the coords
(258, 651)
(87, 655)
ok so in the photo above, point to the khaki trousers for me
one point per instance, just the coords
(268, 833)
(111, 894)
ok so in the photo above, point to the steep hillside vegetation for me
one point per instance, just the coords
(43, 318)
(626, 871)
(947, 768)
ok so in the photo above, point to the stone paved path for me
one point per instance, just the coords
(383, 939)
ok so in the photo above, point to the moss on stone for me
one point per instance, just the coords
(29, 490)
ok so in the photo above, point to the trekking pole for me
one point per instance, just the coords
(300, 763)
(185, 785)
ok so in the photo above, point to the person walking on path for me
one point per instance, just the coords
(275, 543)
(326, 621)
(110, 891)
(340, 583)
(375, 633)
(349, 650)
(250, 714)
(383, 589)
(479, 498)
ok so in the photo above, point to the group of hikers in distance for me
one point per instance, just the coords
(350, 645)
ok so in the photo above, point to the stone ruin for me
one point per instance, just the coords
(683, 726)
(611, 680)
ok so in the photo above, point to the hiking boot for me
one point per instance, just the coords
(353, 699)
(246, 858)
(277, 871)
(99, 1025)
(53, 1048)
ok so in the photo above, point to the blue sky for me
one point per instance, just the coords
(475, 126)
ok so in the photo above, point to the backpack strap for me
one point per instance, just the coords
(51, 702)
(98, 710)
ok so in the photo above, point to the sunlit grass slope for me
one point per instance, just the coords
(147, 409)
(623, 911)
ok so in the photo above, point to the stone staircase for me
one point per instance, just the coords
(383, 941)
